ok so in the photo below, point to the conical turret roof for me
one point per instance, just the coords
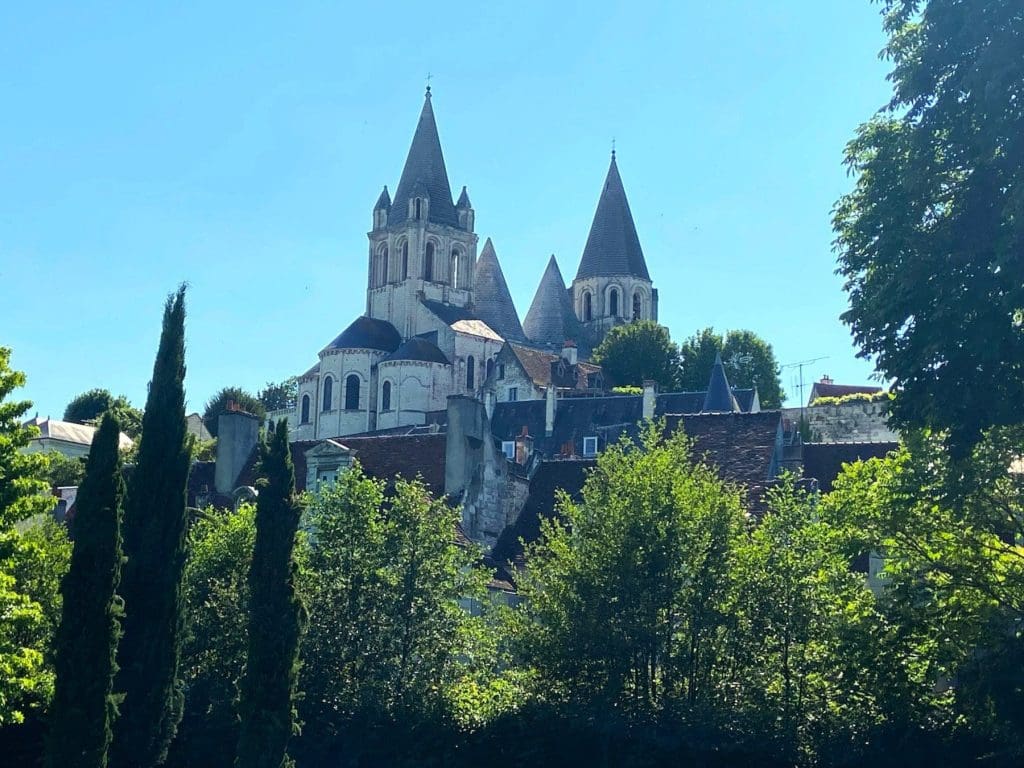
(719, 397)
(613, 247)
(425, 175)
(492, 301)
(551, 319)
(384, 201)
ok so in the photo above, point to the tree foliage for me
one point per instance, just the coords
(931, 237)
(749, 362)
(639, 351)
(276, 614)
(218, 404)
(84, 707)
(64, 471)
(154, 543)
(278, 395)
(90, 407)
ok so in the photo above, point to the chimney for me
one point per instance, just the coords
(524, 447)
(237, 435)
(550, 406)
(826, 379)
(569, 352)
(650, 396)
(489, 398)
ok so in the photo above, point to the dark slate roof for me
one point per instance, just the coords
(613, 247)
(384, 201)
(824, 461)
(425, 174)
(744, 398)
(464, 200)
(679, 402)
(448, 313)
(368, 333)
(418, 348)
(719, 397)
(551, 319)
(492, 301)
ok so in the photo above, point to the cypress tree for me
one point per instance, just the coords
(83, 708)
(154, 542)
(276, 615)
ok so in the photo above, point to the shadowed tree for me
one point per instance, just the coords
(640, 350)
(154, 542)
(83, 708)
(276, 615)
(217, 404)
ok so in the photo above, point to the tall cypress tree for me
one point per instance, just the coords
(83, 708)
(154, 542)
(276, 615)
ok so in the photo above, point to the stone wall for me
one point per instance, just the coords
(858, 422)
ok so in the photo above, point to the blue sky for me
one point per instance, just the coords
(241, 148)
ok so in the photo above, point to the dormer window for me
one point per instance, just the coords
(590, 446)
(508, 448)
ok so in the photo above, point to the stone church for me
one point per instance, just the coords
(439, 315)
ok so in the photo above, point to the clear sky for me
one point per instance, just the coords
(241, 147)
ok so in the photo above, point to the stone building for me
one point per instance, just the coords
(438, 318)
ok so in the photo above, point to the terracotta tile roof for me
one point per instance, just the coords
(388, 456)
(543, 368)
(824, 461)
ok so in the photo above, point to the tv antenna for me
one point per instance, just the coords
(799, 365)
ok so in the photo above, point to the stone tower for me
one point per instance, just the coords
(422, 245)
(612, 285)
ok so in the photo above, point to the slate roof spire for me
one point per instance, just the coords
(384, 201)
(551, 319)
(719, 398)
(613, 247)
(492, 301)
(425, 174)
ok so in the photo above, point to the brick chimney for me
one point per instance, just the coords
(569, 352)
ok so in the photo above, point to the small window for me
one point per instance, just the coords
(501, 370)
(304, 415)
(328, 401)
(513, 394)
(470, 373)
(490, 367)
(508, 447)
(590, 446)
(637, 305)
(382, 266)
(385, 396)
(405, 259)
(428, 263)
(455, 268)
(613, 302)
(352, 393)
(588, 309)
(418, 209)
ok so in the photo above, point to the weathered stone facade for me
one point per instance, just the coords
(853, 422)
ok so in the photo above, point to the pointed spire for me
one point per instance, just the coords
(384, 201)
(464, 201)
(719, 397)
(492, 301)
(613, 247)
(424, 174)
(551, 319)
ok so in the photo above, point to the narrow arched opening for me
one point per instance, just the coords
(352, 393)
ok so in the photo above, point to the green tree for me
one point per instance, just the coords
(624, 598)
(387, 637)
(639, 351)
(24, 677)
(84, 708)
(930, 239)
(217, 404)
(749, 362)
(276, 615)
(216, 593)
(154, 542)
(90, 406)
(281, 394)
(62, 471)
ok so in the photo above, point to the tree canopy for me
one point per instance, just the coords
(278, 395)
(90, 406)
(638, 351)
(930, 240)
(217, 404)
(749, 361)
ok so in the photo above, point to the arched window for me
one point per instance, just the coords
(637, 305)
(328, 393)
(352, 393)
(455, 267)
(385, 396)
(470, 373)
(613, 302)
(490, 367)
(428, 263)
(417, 207)
(382, 266)
(405, 259)
(304, 415)
(588, 309)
